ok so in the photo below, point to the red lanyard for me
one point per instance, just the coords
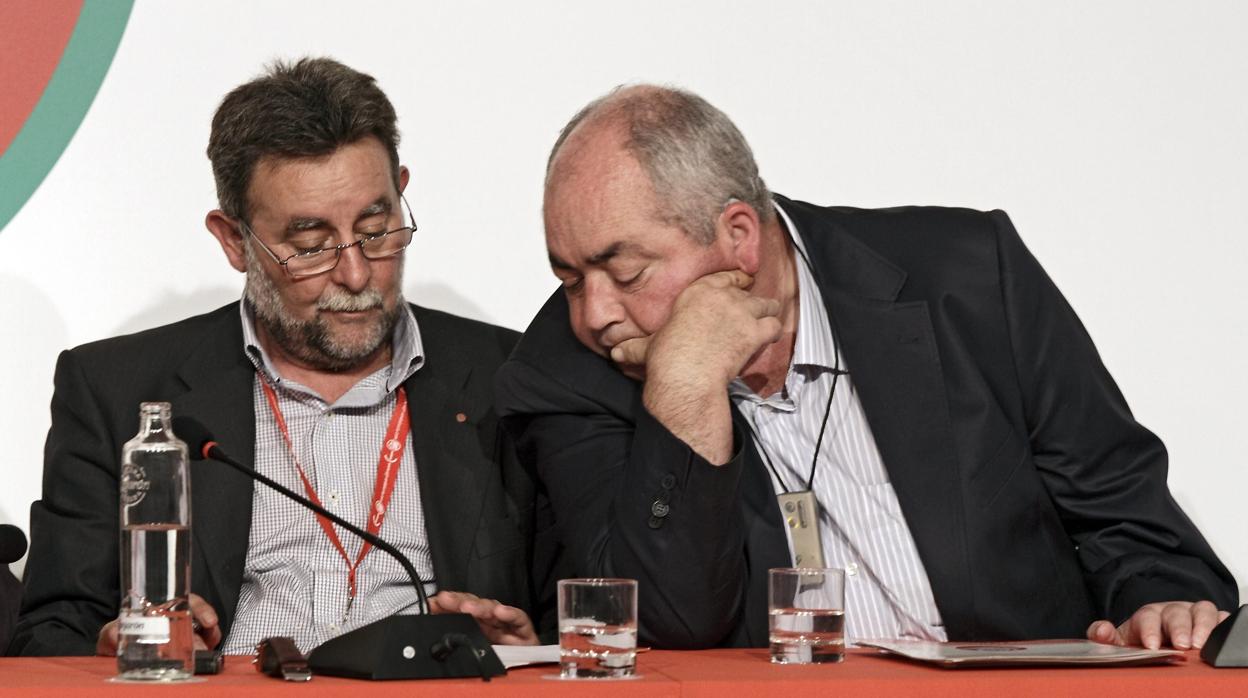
(387, 471)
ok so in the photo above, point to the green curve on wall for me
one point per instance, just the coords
(64, 103)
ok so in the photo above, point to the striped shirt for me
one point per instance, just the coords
(294, 581)
(862, 529)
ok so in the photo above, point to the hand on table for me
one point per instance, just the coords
(502, 624)
(207, 637)
(1182, 624)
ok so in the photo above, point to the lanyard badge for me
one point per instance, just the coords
(801, 518)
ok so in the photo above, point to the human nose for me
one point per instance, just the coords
(353, 271)
(599, 307)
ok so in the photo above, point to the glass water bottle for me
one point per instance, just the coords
(155, 641)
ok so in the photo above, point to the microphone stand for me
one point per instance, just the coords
(211, 450)
(425, 646)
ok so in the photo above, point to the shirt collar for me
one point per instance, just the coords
(813, 346)
(407, 350)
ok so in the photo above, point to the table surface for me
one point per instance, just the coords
(735, 673)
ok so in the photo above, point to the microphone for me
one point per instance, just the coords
(384, 649)
(12, 544)
(205, 447)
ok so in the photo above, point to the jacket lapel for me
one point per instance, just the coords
(452, 481)
(890, 350)
(219, 381)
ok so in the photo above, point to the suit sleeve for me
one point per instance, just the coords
(1104, 471)
(71, 579)
(632, 500)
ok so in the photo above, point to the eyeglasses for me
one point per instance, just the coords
(372, 245)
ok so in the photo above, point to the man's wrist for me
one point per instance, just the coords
(696, 412)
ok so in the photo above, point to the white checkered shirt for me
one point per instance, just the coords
(294, 581)
(887, 592)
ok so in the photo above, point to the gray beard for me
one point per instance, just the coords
(310, 341)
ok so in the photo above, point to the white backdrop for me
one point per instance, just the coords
(1113, 133)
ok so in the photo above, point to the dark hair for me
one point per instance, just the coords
(304, 109)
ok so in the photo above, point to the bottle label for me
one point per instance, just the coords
(134, 484)
(145, 629)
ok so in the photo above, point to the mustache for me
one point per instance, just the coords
(337, 300)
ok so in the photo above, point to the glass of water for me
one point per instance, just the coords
(807, 606)
(597, 628)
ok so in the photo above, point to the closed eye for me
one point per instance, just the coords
(632, 282)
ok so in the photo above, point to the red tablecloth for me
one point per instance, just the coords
(718, 673)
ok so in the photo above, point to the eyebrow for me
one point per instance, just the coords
(598, 258)
(300, 224)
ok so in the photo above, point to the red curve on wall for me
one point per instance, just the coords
(33, 36)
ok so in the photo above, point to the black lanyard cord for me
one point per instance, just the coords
(827, 410)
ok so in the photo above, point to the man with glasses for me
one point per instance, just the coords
(322, 367)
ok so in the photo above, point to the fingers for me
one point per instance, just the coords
(1104, 632)
(515, 625)
(732, 277)
(205, 616)
(445, 602)
(1144, 628)
(1181, 624)
(761, 307)
(106, 641)
(631, 352)
(769, 330)
(458, 602)
(1176, 624)
(1205, 616)
(501, 624)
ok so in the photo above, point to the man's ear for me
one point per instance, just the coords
(404, 176)
(229, 235)
(739, 225)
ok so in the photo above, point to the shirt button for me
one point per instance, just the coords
(659, 509)
(851, 569)
(668, 482)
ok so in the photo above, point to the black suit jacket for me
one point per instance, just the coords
(1036, 501)
(478, 504)
(10, 600)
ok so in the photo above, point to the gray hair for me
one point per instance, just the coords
(695, 157)
(304, 109)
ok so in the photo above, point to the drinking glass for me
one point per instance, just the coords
(597, 628)
(807, 607)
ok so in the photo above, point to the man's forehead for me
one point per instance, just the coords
(300, 185)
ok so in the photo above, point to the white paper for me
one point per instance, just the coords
(1047, 652)
(524, 655)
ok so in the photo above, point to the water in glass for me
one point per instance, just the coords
(800, 636)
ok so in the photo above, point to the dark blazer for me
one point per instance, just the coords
(10, 600)
(1036, 501)
(478, 505)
